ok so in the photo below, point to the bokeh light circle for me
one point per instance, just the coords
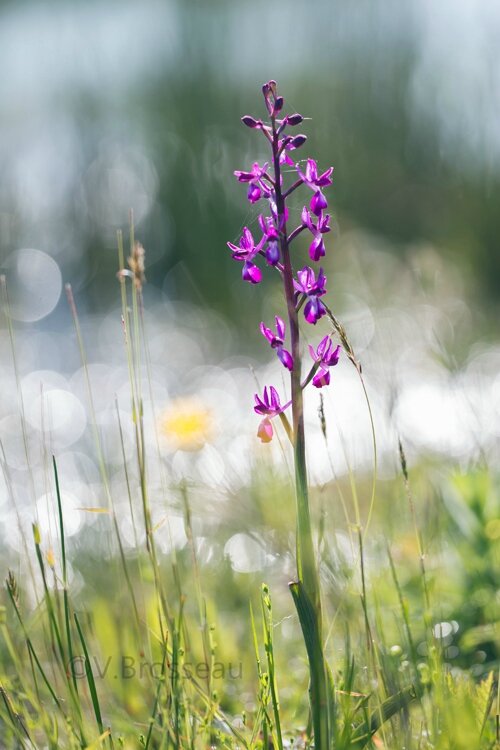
(34, 282)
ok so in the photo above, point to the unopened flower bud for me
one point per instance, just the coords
(250, 122)
(298, 141)
(269, 91)
(278, 105)
(295, 119)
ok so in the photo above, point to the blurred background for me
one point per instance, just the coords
(109, 106)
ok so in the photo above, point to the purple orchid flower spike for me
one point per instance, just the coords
(300, 289)
(313, 288)
(316, 182)
(277, 340)
(246, 252)
(326, 355)
(256, 178)
(317, 248)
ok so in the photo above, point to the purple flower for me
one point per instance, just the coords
(317, 248)
(316, 182)
(313, 288)
(277, 340)
(269, 405)
(246, 252)
(257, 186)
(326, 355)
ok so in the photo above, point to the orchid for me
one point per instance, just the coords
(317, 248)
(277, 340)
(290, 144)
(312, 288)
(315, 182)
(300, 288)
(246, 252)
(269, 405)
(325, 356)
(256, 178)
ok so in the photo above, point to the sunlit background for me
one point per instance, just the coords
(112, 106)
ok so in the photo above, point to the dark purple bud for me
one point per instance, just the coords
(250, 122)
(295, 119)
(278, 105)
(272, 253)
(298, 141)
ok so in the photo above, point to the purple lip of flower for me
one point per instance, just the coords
(313, 288)
(317, 248)
(321, 378)
(246, 252)
(277, 340)
(265, 431)
(316, 182)
(257, 186)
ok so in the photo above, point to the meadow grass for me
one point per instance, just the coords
(179, 650)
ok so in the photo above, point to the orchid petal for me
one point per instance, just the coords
(254, 193)
(272, 253)
(280, 327)
(318, 202)
(285, 358)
